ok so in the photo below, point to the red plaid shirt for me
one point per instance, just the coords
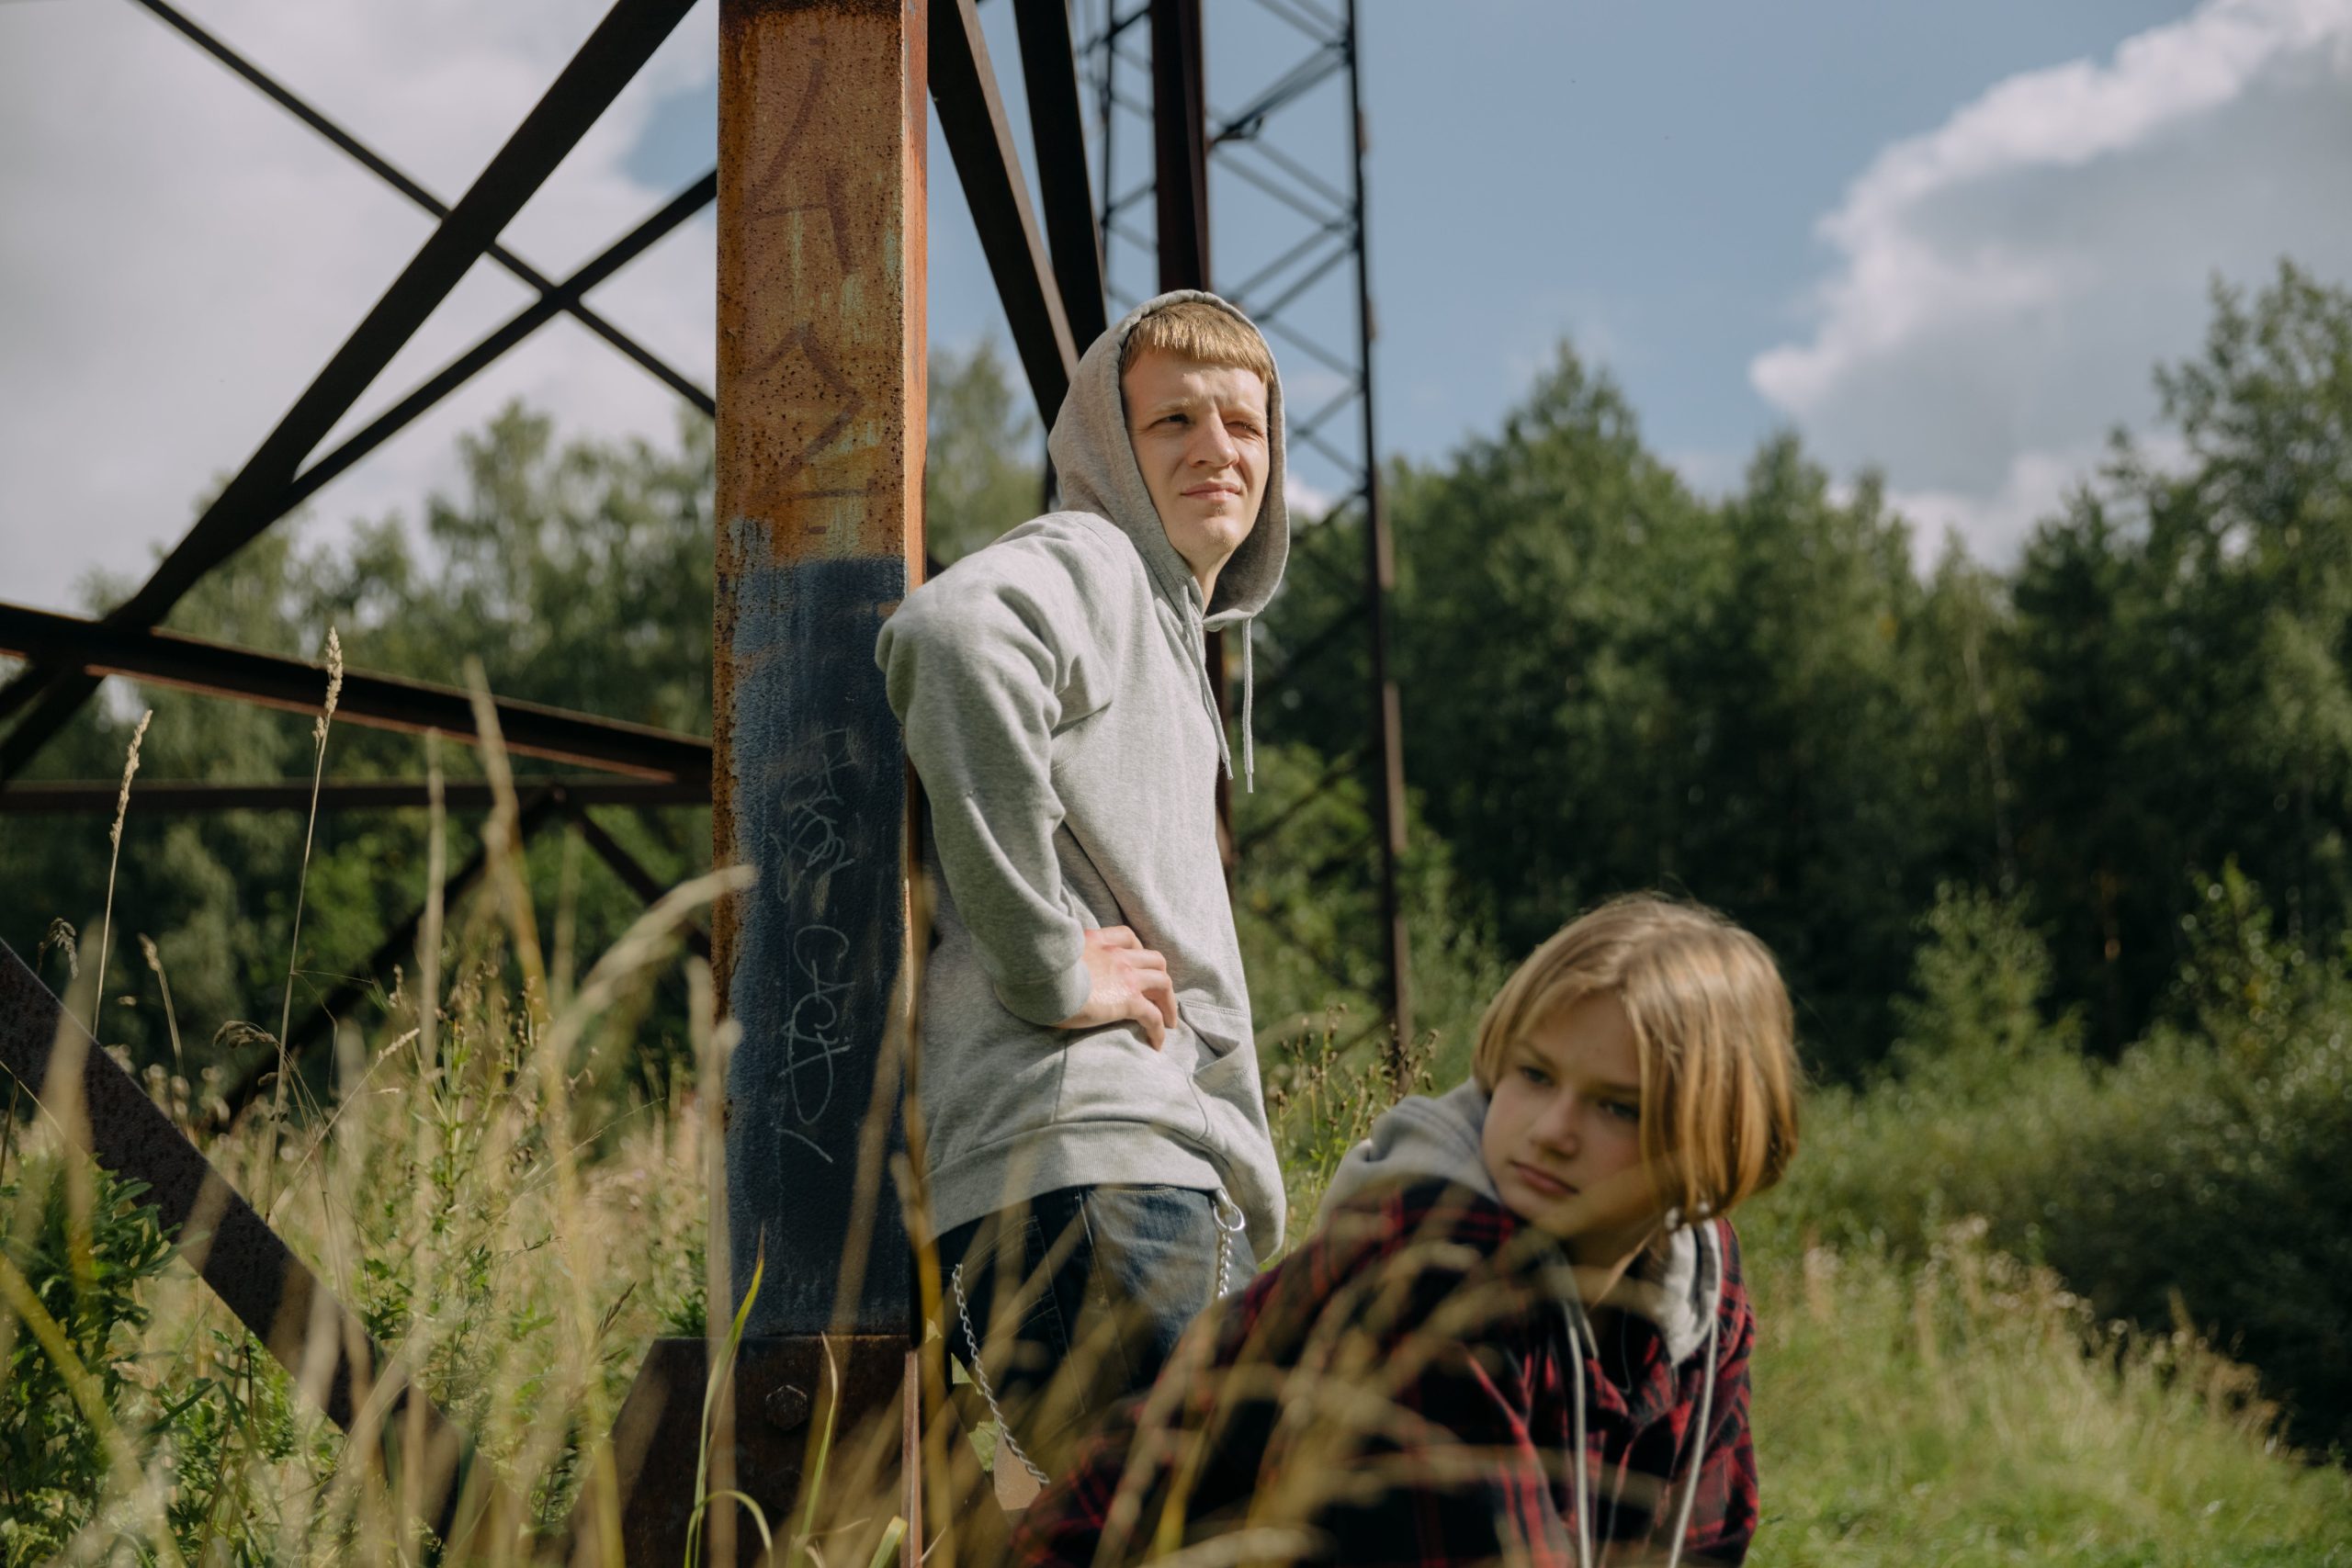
(1398, 1392)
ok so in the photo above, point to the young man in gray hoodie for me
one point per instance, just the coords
(1096, 1136)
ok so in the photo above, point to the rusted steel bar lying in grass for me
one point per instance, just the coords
(315, 1337)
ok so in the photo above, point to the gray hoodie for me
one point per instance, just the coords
(1052, 690)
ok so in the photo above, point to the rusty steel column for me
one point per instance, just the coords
(822, 118)
(823, 110)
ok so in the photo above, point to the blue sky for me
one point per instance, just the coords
(1650, 181)
(1948, 242)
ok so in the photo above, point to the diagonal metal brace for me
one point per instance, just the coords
(384, 170)
(605, 63)
(256, 1276)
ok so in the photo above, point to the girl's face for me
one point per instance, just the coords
(1563, 1138)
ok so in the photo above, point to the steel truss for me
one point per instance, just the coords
(1293, 147)
(1052, 266)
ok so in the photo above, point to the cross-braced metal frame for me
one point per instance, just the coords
(1295, 149)
(1054, 275)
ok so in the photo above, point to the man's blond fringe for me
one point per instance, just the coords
(1197, 330)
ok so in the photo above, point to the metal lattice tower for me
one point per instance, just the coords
(1288, 162)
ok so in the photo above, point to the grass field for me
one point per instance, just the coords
(510, 1214)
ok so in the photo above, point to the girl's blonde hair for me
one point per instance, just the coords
(1711, 1026)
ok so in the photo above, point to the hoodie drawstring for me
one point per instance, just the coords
(1714, 1245)
(1200, 645)
(1576, 1418)
(1580, 1338)
(1249, 711)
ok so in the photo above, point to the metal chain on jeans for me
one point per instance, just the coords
(1218, 1204)
(1226, 1231)
(980, 1378)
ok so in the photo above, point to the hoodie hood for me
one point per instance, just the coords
(1426, 1139)
(1094, 467)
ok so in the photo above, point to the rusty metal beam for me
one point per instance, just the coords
(1181, 195)
(971, 121)
(272, 1291)
(463, 368)
(1058, 135)
(97, 797)
(1179, 143)
(821, 267)
(621, 43)
(383, 169)
(96, 648)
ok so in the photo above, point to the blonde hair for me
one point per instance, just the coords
(1711, 1026)
(1197, 330)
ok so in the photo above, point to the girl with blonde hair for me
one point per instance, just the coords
(1519, 1332)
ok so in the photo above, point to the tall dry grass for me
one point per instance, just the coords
(514, 1223)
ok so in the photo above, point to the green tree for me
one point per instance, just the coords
(1609, 683)
(983, 472)
(577, 573)
(2181, 636)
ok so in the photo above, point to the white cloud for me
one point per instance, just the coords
(1994, 525)
(181, 257)
(2003, 285)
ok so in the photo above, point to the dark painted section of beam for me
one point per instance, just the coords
(383, 701)
(1058, 135)
(98, 796)
(621, 43)
(819, 775)
(971, 120)
(272, 1291)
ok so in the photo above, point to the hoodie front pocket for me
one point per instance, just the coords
(1114, 1074)
(1225, 1071)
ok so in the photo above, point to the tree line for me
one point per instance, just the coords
(1609, 680)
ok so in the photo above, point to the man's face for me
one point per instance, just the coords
(1563, 1136)
(1200, 436)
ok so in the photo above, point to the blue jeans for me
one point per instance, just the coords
(1077, 1298)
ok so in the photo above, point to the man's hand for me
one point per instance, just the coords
(1130, 982)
